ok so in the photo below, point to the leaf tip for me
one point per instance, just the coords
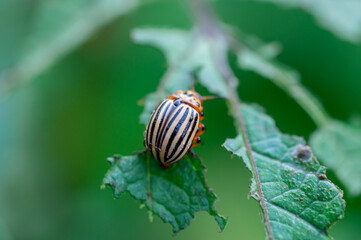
(138, 34)
(134, 35)
(150, 216)
(221, 221)
(113, 159)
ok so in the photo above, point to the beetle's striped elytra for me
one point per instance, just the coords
(175, 127)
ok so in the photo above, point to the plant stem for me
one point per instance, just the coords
(207, 22)
(235, 104)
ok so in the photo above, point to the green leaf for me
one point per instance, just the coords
(298, 200)
(59, 28)
(343, 18)
(260, 58)
(186, 53)
(339, 146)
(176, 193)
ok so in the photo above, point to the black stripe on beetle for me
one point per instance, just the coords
(174, 127)
(178, 144)
(153, 120)
(175, 131)
(188, 141)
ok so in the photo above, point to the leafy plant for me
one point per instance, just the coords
(296, 198)
(174, 195)
(298, 201)
(288, 181)
(330, 131)
(51, 40)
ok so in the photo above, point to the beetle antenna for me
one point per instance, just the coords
(212, 97)
(193, 83)
(194, 78)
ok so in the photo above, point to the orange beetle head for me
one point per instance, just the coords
(192, 97)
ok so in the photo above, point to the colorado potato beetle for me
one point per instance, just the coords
(175, 127)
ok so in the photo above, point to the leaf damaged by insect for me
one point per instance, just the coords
(336, 143)
(297, 200)
(174, 194)
(187, 53)
(298, 154)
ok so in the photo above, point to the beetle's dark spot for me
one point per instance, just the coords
(203, 128)
(202, 114)
(177, 102)
(198, 139)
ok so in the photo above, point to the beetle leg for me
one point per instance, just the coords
(201, 128)
(196, 140)
(201, 116)
(139, 152)
(194, 144)
(165, 166)
(192, 153)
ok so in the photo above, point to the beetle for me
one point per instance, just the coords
(175, 126)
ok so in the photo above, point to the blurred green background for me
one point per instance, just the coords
(56, 132)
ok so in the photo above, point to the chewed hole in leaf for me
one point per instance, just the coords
(174, 194)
